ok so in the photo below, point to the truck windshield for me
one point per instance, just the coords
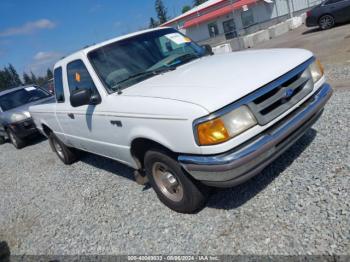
(127, 62)
(21, 97)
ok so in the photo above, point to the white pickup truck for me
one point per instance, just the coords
(183, 118)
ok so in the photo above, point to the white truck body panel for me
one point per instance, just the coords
(164, 107)
(216, 81)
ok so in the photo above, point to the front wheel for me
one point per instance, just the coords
(65, 154)
(15, 140)
(326, 22)
(173, 186)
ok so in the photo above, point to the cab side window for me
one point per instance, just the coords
(79, 77)
(58, 85)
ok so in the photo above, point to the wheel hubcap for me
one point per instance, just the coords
(58, 148)
(167, 182)
(326, 22)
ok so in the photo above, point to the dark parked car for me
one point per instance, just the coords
(329, 13)
(15, 120)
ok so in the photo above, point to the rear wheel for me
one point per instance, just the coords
(15, 140)
(173, 186)
(65, 154)
(326, 22)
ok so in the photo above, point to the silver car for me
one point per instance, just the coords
(15, 120)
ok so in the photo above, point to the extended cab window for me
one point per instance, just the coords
(79, 77)
(58, 85)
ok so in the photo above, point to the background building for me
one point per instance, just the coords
(218, 21)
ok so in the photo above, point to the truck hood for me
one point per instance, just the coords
(215, 81)
(8, 116)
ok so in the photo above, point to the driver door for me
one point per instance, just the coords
(80, 121)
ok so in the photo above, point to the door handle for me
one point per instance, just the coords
(71, 115)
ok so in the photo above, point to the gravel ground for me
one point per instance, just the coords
(332, 47)
(338, 72)
(298, 205)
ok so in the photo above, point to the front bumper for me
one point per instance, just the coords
(240, 164)
(311, 21)
(24, 128)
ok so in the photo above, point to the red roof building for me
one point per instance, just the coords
(217, 21)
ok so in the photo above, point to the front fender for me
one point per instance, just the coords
(176, 136)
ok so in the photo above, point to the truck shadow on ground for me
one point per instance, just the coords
(235, 197)
(4, 251)
(221, 198)
(108, 165)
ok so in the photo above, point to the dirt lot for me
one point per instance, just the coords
(332, 47)
(298, 205)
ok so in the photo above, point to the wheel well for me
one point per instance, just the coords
(46, 130)
(140, 146)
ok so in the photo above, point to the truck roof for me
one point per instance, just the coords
(95, 46)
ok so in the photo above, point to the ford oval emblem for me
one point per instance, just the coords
(289, 92)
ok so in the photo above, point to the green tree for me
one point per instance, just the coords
(186, 8)
(40, 81)
(9, 78)
(152, 23)
(14, 77)
(26, 79)
(161, 12)
(3, 80)
(49, 74)
(198, 2)
(6, 78)
(33, 78)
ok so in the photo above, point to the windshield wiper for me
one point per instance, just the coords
(185, 58)
(149, 73)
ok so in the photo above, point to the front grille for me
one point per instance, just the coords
(281, 97)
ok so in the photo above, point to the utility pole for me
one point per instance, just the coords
(290, 11)
(277, 13)
(236, 30)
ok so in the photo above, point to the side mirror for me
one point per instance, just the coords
(82, 97)
(95, 99)
(207, 50)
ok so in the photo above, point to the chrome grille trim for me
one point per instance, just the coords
(283, 99)
(279, 95)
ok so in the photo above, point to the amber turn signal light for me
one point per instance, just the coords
(212, 132)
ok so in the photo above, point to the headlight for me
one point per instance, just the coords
(17, 117)
(225, 127)
(316, 70)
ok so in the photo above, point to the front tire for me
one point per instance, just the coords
(64, 153)
(16, 141)
(173, 186)
(326, 22)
